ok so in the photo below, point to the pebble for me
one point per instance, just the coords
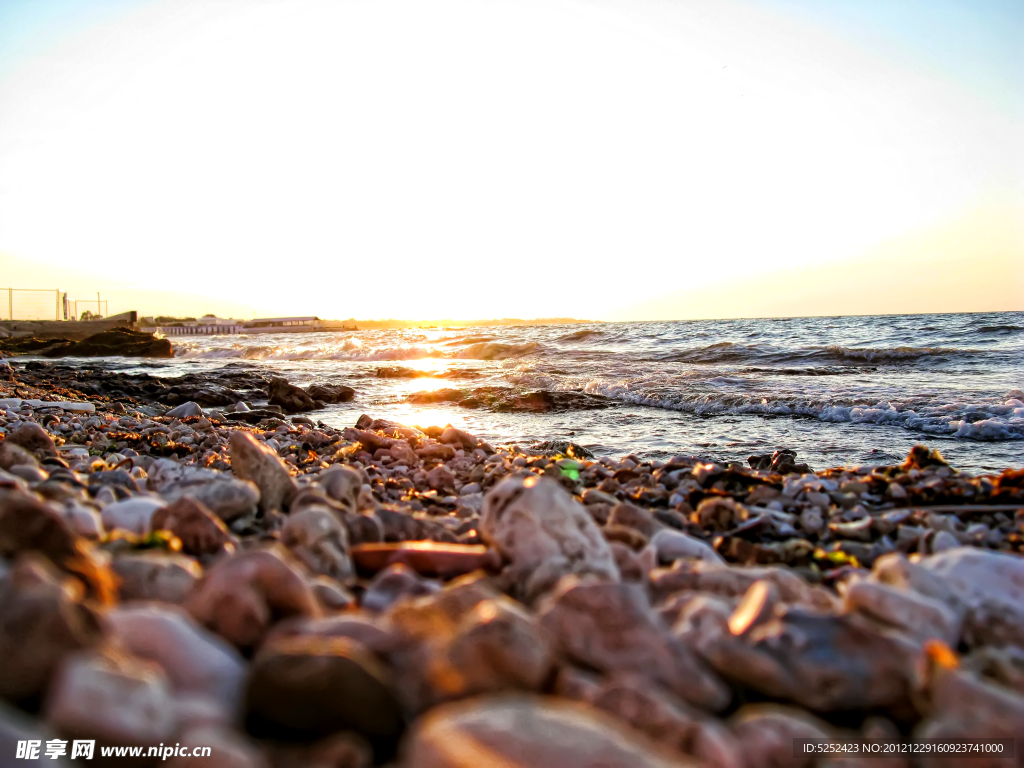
(544, 534)
(442, 583)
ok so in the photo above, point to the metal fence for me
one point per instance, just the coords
(83, 309)
(47, 304)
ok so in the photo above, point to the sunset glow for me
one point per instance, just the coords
(436, 160)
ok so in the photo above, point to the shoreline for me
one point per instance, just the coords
(645, 604)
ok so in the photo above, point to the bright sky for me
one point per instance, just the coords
(604, 159)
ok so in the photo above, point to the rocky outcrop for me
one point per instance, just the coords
(116, 342)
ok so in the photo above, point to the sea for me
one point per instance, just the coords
(838, 390)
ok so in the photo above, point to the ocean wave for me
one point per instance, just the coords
(469, 340)
(493, 350)
(581, 335)
(1004, 328)
(982, 421)
(731, 352)
(488, 350)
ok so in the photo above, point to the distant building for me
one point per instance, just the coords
(284, 325)
(205, 326)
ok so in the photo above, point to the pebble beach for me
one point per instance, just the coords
(291, 593)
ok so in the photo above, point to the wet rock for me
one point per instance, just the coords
(116, 342)
(259, 464)
(521, 732)
(505, 399)
(315, 536)
(611, 627)
(242, 596)
(194, 660)
(319, 685)
(330, 393)
(561, 447)
(42, 619)
(156, 576)
(782, 462)
(33, 438)
(134, 515)
(185, 410)
(202, 533)
(823, 662)
(544, 534)
(111, 698)
(672, 545)
(289, 397)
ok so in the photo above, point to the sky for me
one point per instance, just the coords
(600, 159)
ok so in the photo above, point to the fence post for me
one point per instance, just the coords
(56, 306)
(10, 303)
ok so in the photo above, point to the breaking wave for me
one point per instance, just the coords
(730, 352)
(984, 421)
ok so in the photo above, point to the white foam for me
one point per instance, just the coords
(938, 418)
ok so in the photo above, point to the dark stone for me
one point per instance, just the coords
(116, 342)
(563, 447)
(331, 393)
(33, 438)
(291, 398)
(112, 477)
(782, 462)
(313, 686)
(505, 399)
